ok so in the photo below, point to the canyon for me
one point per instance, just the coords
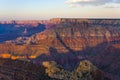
(65, 41)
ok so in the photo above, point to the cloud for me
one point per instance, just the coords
(93, 2)
(112, 5)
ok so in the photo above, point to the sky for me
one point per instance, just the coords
(46, 9)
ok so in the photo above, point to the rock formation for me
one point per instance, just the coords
(68, 41)
(21, 70)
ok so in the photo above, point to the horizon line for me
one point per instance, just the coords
(61, 18)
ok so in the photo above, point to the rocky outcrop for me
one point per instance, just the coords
(21, 70)
(84, 71)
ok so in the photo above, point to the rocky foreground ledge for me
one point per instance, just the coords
(21, 70)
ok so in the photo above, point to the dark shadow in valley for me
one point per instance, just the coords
(12, 31)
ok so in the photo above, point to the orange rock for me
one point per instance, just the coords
(33, 57)
(14, 57)
(5, 55)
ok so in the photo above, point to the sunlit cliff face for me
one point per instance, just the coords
(8, 56)
(5, 55)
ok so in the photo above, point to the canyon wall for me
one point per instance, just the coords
(68, 41)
